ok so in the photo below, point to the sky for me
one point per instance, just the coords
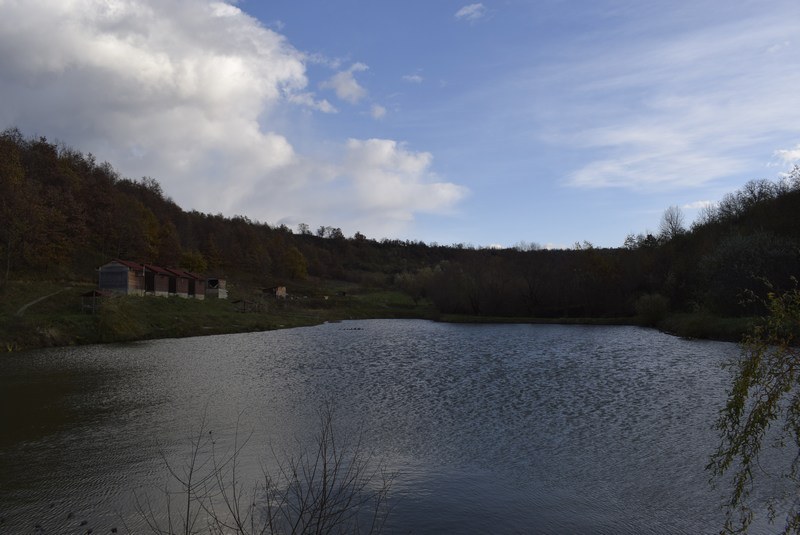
(486, 124)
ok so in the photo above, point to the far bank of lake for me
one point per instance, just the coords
(37, 314)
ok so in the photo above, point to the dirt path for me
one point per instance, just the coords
(25, 307)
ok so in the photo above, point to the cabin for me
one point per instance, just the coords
(122, 277)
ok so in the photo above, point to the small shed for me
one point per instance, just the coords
(179, 282)
(215, 288)
(190, 284)
(159, 281)
(277, 291)
(90, 301)
(122, 276)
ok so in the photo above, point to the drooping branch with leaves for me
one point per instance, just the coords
(762, 413)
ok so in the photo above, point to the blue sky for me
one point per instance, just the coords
(488, 123)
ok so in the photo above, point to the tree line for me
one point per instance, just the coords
(62, 214)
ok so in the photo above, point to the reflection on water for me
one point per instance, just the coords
(501, 428)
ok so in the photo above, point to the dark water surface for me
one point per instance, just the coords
(491, 428)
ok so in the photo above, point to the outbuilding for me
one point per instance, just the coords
(122, 276)
(133, 278)
(216, 288)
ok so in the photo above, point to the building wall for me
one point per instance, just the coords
(118, 278)
(182, 286)
(135, 283)
(125, 278)
(161, 285)
(215, 288)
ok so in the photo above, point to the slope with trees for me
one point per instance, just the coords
(62, 214)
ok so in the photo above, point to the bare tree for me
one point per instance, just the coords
(335, 487)
(672, 223)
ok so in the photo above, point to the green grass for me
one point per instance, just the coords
(705, 325)
(53, 321)
(60, 320)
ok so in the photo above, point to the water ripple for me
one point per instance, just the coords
(493, 428)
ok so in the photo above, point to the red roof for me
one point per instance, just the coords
(166, 272)
(128, 264)
(159, 270)
(184, 274)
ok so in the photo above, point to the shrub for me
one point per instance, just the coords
(652, 308)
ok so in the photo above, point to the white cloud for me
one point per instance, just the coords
(196, 94)
(471, 12)
(376, 187)
(777, 47)
(394, 181)
(697, 205)
(789, 156)
(308, 100)
(377, 111)
(413, 78)
(345, 84)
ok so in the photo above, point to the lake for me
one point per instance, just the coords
(489, 428)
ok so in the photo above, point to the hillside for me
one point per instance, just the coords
(63, 214)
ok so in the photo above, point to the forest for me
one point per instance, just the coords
(63, 214)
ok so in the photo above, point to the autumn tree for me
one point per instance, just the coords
(194, 261)
(293, 263)
(168, 244)
(13, 202)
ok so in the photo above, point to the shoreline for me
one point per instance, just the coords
(57, 320)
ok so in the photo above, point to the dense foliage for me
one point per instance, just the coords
(762, 415)
(63, 214)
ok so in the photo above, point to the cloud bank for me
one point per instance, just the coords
(193, 93)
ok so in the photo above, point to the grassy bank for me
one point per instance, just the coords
(50, 313)
(707, 326)
(61, 319)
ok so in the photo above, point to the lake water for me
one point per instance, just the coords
(490, 428)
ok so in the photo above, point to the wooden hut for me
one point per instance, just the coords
(159, 281)
(122, 276)
(188, 284)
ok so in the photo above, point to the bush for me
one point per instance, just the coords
(651, 309)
